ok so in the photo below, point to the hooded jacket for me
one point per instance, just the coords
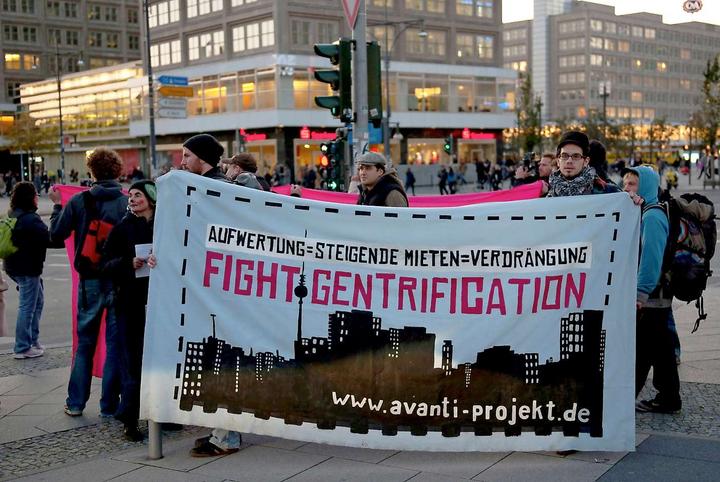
(31, 237)
(654, 232)
(110, 202)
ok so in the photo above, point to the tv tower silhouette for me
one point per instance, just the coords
(301, 292)
(212, 315)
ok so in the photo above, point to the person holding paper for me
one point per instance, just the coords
(125, 263)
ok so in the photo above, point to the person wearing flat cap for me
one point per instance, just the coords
(575, 177)
(201, 155)
(379, 186)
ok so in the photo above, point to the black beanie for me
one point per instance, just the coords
(206, 147)
(147, 187)
(577, 138)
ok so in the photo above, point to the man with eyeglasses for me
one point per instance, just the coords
(574, 176)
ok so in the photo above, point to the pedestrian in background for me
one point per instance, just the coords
(120, 264)
(409, 181)
(442, 184)
(25, 267)
(104, 201)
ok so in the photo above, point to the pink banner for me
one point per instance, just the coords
(66, 193)
(527, 191)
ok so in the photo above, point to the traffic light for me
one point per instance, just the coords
(374, 80)
(340, 79)
(448, 146)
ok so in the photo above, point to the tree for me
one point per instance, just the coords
(528, 110)
(27, 137)
(659, 135)
(710, 108)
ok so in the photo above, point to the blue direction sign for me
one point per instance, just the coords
(172, 80)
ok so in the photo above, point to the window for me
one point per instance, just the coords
(515, 34)
(12, 61)
(236, 3)
(9, 5)
(637, 31)
(377, 33)
(12, 90)
(465, 46)
(203, 7)
(10, 33)
(435, 6)
(70, 9)
(111, 40)
(95, 39)
(54, 36)
(111, 14)
(609, 44)
(610, 27)
(433, 44)
(485, 47)
(29, 34)
(165, 53)
(381, 3)
(662, 67)
(27, 6)
(649, 33)
(685, 54)
(596, 25)
(52, 8)
(163, 13)
(300, 32)
(72, 37)
(94, 12)
(133, 42)
(133, 16)
(253, 35)
(623, 46)
(636, 96)
(596, 43)
(477, 8)
(206, 45)
(596, 59)
(327, 32)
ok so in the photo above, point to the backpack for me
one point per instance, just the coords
(7, 247)
(691, 245)
(87, 261)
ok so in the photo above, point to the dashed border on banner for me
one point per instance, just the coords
(387, 214)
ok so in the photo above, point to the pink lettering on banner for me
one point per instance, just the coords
(385, 277)
(317, 287)
(364, 292)
(496, 291)
(291, 272)
(520, 282)
(406, 286)
(338, 288)
(270, 279)
(210, 256)
(466, 307)
(247, 278)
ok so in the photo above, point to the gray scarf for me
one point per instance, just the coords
(577, 186)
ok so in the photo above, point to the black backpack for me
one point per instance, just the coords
(690, 247)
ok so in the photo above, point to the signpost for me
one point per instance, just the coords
(176, 91)
(172, 80)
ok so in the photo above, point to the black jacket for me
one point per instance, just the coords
(216, 173)
(32, 239)
(117, 261)
(72, 218)
(377, 196)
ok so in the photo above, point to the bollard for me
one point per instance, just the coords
(154, 440)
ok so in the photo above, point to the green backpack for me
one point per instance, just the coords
(7, 247)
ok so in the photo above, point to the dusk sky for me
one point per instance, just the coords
(672, 11)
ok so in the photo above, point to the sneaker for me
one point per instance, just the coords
(73, 412)
(39, 346)
(208, 449)
(106, 415)
(31, 352)
(653, 406)
(132, 433)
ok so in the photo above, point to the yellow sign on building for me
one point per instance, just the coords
(176, 91)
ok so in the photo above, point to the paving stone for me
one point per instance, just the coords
(176, 456)
(455, 464)
(260, 463)
(352, 471)
(684, 447)
(519, 466)
(350, 453)
(644, 467)
(155, 474)
(19, 427)
(53, 358)
(10, 403)
(275, 442)
(96, 470)
(429, 477)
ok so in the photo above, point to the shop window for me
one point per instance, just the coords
(12, 61)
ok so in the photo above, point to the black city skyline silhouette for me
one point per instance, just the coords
(360, 358)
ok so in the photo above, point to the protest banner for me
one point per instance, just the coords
(500, 326)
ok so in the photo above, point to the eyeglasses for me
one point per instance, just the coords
(564, 156)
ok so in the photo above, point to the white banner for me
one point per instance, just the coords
(492, 327)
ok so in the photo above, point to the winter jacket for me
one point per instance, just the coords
(388, 191)
(216, 173)
(110, 203)
(32, 239)
(654, 231)
(117, 260)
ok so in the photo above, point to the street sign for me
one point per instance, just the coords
(172, 80)
(172, 113)
(351, 8)
(172, 102)
(176, 91)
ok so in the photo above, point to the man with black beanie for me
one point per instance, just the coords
(201, 155)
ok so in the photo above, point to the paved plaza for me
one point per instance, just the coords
(39, 442)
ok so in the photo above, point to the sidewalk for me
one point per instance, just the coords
(39, 442)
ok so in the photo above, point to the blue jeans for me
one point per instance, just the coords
(32, 297)
(225, 439)
(94, 297)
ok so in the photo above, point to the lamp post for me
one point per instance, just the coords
(604, 93)
(386, 60)
(151, 94)
(58, 71)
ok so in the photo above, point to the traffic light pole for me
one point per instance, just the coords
(360, 86)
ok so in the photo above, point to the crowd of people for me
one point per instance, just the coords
(107, 268)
